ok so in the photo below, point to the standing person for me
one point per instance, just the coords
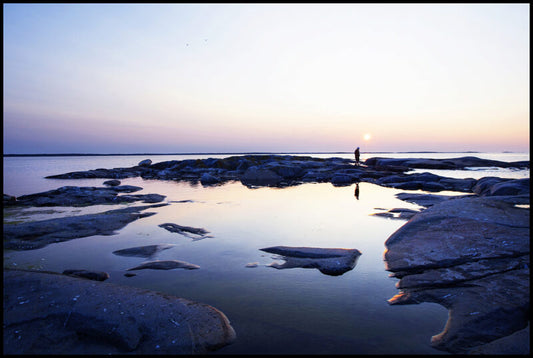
(357, 154)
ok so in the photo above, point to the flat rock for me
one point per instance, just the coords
(48, 313)
(90, 275)
(470, 255)
(84, 196)
(193, 232)
(329, 261)
(165, 265)
(38, 234)
(143, 251)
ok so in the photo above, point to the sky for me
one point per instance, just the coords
(204, 78)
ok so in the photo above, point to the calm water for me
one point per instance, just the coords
(273, 311)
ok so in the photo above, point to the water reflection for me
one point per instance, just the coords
(356, 193)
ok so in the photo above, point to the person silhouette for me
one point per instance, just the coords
(357, 154)
(356, 193)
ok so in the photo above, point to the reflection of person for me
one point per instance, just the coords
(356, 153)
(356, 194)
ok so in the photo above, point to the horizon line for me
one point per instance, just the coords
(229, 153)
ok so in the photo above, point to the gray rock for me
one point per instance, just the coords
(199, 233)
(85, 196)
(38, 234)
(145, 163)
(143, 251)
(260, 176)
(470, 255)
(47, 313)
(112, 182)
(208, 179)
(165, 265)
(329, 261)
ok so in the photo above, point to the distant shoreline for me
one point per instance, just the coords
(213, 153)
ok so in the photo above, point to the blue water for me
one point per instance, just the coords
(291, 311)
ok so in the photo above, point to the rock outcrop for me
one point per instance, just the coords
(47, 313)
(285, 170)
(471, 255)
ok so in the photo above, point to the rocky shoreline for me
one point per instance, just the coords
(469, 253)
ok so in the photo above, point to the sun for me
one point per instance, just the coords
(367, 136)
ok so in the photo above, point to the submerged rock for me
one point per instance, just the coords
(90, 275)
(199, 233)
(329, 261)
(143, 251)
(47, 313)
(471, 255)
(165, 265)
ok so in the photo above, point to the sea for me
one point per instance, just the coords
(273, 311)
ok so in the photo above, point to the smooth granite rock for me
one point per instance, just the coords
(470, 255)
(48, 313)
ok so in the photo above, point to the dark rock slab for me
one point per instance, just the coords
(329, 261)
(47, 313)
(165, 265)
(192, 232)
(85, 196)
(470, 255)
(143, 251)
(37, 234)
(90, 275)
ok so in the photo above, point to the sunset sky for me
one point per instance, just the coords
(138, 78)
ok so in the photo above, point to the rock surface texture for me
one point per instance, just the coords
(471, 255)
(47, 313)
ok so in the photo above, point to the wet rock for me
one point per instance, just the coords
(471, 255)
(145, 163)
(284, 170)
(47, 313)
(208, 179)
(9, 199)
(90, 275)
(260, 176)
(425, 200)
(398, 213)
(165, 265)
(112, 182)
(143, 251)
(85, 196)
(329, 261)
(193, 232)
(38, 234)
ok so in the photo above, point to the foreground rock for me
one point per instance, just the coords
(470, 255)
(47, 313)
(332, 262)
(38, 234)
